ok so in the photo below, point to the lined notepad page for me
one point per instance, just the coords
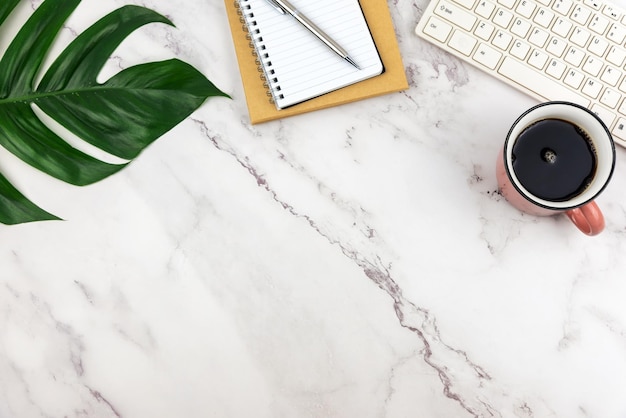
(297, 65)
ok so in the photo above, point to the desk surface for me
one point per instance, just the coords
(352, 262)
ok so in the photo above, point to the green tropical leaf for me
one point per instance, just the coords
(120, 116)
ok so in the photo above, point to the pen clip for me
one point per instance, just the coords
(276, 6)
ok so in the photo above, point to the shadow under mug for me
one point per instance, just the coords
(580, 208)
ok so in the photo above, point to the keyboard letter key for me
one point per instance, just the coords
(502, 40)
(538, 59)
(574, 56)
(562, 27)
(611, 76)
(574, 79)
(556, 46)
(544, 17)
(502, 18)
(592, 88)
(520, 28)
(526, 8)
(484, 30)
(520, 50)
(616, 56)
(580, 37)
(485, 8)
(592, 66)
(555, 69)
(598, 46)
(538, 38)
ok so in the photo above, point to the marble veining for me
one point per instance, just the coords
(352, 262)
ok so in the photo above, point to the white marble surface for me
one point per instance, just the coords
(353, 262)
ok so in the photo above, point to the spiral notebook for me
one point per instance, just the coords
(296, 64)
(350, 22)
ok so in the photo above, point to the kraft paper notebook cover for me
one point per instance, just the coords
(261, 106)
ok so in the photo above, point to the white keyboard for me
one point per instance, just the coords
(551, 49)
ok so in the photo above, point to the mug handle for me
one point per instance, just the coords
(587, 218)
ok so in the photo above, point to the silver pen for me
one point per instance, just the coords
(283, 6)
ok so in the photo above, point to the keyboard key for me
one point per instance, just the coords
(592, 88)
(616, 56)
(503, 18)
(468, 4)
(555, 69)
(594, 4)
(611, 11)
(611, 76)
(502, 40)
(484, 31)
(538, 37)
(487, 56)
(563, 6)
(592, 66)
(526, 8)
(622, 87)
(485, 9)
(538, 59)
(581, 15)
(562, 27)
(580, 37)
(603, 113)
(520, 50)
(598, 46)
(619, 131)
(544, 17)
(574, 56)
(539, 84)
(520, 28)
(598, 24)
(610, 98)
(574, 79)
(455, 14)
(617, 33)
(507, 3)
(437, 29)
(556, 46)
(462, 42)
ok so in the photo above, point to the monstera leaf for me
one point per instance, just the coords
(121, 116)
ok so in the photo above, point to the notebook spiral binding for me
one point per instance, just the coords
(262, 59)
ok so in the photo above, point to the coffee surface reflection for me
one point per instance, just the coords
(554, 159)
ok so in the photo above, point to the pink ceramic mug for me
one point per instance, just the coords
(544, 140)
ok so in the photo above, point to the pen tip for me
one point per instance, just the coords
(351, 61)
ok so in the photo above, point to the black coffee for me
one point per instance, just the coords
(554, 160)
